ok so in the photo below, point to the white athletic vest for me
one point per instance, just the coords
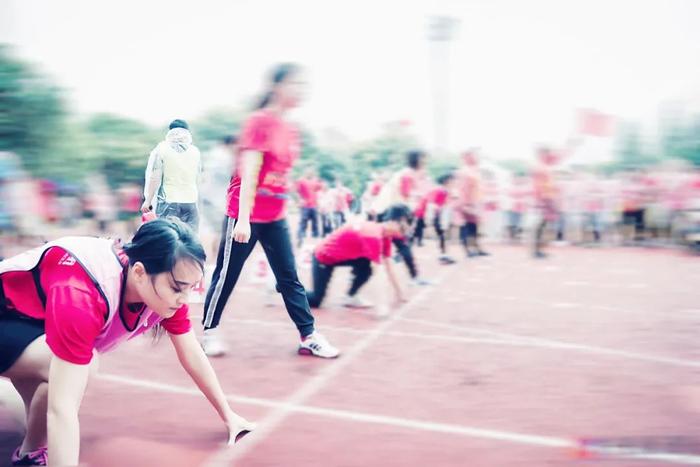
(99, 259)
(180, 172)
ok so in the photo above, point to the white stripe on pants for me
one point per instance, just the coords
(209, 312)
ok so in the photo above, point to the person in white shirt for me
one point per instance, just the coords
(173, 172)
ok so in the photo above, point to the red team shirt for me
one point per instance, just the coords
(75, 311)
(278, 141)
(518, 195)
(343, 198)
(308, 192)
(436, 196)
(407, 184)
(365, 240)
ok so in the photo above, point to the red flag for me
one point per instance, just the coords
(594, 123)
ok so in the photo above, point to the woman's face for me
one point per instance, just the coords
(291, 92)
(166, 292)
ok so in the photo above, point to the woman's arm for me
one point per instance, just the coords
(252, 161)
(197, 365)
(67, 383)
(391, 276)
(154, 176)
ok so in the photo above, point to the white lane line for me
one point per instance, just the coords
(412, 335)
(418, 425)
(565, 305)
(544, 303)
(500, 338)
(288, 407)
(623, 271)
(576, 283)
(315, 384)
(530, 341)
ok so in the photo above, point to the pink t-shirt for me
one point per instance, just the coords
(343, 198)
(366, 240)
(436, 196)
(518, 195)
(407, 184)
(278, 141)
(308, 192)
(75, 311)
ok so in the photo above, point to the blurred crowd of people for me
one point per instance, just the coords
(34, 209)
(652, 206)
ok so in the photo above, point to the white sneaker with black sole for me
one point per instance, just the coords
(353, 301)
(318, 346)
(419, 281)
(212, 345)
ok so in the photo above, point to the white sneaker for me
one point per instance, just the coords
(270, 299)
(382, 312)
(317, 345)
(421, 281)
(271, 294)
(353, 301)
(213, 347)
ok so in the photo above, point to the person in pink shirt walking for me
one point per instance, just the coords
(268, 147)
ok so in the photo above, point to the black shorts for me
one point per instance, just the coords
(16, 333)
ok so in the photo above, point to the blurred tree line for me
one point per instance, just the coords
(678, 139)
(53, 142)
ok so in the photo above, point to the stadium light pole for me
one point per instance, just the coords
(441, 32)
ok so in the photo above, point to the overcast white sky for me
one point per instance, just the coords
(518, 69)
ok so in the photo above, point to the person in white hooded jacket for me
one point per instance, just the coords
(173, 172)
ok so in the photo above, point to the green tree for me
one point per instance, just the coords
(212, 127)
(439, 167)
(516, 166)
(631, 150)
(119, 147)
(385, 152)
(681, 139)
(32, 114)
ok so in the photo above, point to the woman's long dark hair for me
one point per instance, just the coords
(159, 245)
(279, 74)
